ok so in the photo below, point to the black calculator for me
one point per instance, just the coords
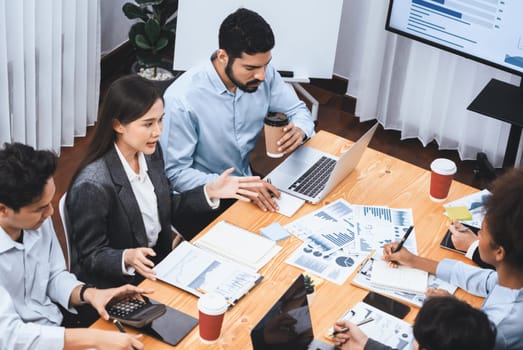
(135, 313)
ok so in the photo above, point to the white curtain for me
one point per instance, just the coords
(49, 70)
(415, 88)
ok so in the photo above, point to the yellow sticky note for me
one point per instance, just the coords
(459, 213)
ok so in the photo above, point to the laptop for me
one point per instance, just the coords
(288, 325)
(311, 174)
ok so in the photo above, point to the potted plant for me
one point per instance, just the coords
(152, 37)
(309, 287)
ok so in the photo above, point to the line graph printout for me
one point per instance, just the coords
(488, 29)
(196, 271)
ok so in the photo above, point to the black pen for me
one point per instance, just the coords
(269, 182)
(405, 236)
(119, 325)
(361, 323)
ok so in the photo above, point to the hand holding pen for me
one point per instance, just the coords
(394, 255)
(348, 335)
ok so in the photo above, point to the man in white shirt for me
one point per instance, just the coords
(34, 277)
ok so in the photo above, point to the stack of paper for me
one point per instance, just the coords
(239, 245)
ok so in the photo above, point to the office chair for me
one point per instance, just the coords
(65, 223)
(484, 169)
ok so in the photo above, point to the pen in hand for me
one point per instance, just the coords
(405, 236)
(119, 326)
(361, 323)
(269, 182)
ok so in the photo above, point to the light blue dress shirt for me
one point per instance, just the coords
(503, 306)
(33, 276)
(208, 129)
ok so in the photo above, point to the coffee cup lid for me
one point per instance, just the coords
(212, 304)
(443, 166)
(276, 119)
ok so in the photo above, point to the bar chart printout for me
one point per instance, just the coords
(491, 30)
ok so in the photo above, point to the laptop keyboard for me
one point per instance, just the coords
(314, 179)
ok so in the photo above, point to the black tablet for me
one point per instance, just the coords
(171, 327)
(446, 242)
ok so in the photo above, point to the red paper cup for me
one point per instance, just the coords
(442, 172)
(211, 308)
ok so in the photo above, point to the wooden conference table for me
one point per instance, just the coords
(379, 179)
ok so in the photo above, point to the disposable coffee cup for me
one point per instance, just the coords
(211, 309)
(274, 123)
(442, 172)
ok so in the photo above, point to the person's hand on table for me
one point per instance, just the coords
(462, 237)
(265, 196)
(137, 259)
(437, 292)
(292, 138)
(108, 340)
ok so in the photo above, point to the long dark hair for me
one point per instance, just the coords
(127, 99)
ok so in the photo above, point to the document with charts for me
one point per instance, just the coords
(327, 229)
(336, 266)
(385, 328)
(198, 272)
(359, 228)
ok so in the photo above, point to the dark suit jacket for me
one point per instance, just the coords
(104, 218)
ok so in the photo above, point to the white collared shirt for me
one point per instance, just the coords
(34, 279)
(143, 190)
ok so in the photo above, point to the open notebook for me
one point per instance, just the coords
(405, 279)
(239, 245)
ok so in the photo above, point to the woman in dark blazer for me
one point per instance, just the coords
(120, 207)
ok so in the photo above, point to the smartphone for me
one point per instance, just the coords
(386, 304)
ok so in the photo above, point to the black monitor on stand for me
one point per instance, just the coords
(503, 101)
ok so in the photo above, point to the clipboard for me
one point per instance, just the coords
(446, 242)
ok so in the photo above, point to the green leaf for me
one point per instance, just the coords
(137, 28)
(160, 44)
(152, 30)
(141, 41)
(170, 26)
(132, 11)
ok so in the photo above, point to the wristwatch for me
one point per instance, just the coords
(82, 291)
